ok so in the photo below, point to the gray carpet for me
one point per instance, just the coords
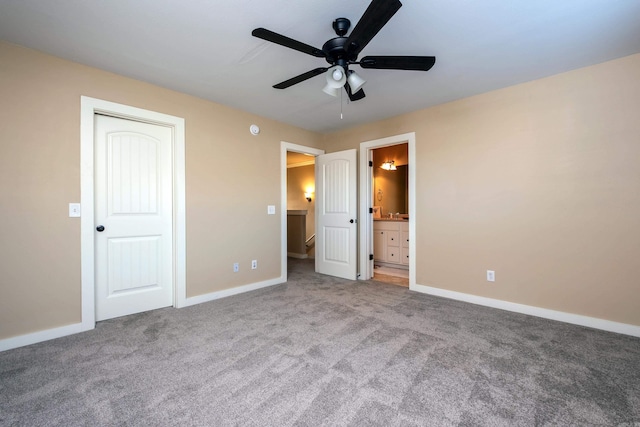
(325, 351)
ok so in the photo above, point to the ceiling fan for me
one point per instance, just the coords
(343, 51)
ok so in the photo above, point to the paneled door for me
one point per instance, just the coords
(133, 217)
(336, 214)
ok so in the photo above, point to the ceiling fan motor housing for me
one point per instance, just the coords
(336, 54)
(334, 49)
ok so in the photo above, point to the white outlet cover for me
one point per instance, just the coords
(74, 210)
(271, 210)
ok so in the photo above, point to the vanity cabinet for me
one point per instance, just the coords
(391, 241)
(404, 245)
(379, 244)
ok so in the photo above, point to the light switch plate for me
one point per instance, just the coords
(74, 210)
(271, 210)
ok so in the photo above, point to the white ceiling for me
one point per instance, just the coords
(205, 47)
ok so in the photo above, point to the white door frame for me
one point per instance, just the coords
(284, 147)
(366, 193)
(88, 108)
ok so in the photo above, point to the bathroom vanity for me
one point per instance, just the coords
(391, 241)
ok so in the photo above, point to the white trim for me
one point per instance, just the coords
(366, 219)
(575, 319)
(88, 108)
(297, 165)
(284, 147)
(40, 336)
(232, 291)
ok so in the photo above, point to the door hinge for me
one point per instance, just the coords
(370, 164)
(370, 257)
(370, 210)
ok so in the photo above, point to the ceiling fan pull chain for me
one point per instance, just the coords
(340, 105)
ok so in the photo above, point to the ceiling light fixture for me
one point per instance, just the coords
(389, 165)
(336, 79)
(355, 81)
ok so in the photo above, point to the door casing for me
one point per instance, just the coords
(88, 108)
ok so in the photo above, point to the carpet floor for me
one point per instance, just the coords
(319, 351)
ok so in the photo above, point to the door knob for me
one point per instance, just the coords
(351, 221)
(100, 228)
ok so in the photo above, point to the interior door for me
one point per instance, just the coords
(133, 217)
(336, 214)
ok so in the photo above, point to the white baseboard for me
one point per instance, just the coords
(36, 337)
(232, 291)
(576, 319)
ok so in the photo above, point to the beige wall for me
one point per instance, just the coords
(539, 182)
(40, 174)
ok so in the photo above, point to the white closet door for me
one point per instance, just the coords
(133, 217)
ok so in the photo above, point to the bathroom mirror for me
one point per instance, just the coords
(391, 186)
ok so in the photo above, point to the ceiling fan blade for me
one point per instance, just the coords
(285, 41)
(419, 63)
(302, 77)
(375, 17)
(354, 96)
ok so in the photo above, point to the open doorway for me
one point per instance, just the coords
(300, 205)
(390, 197)
(399, 201)
(297, 183)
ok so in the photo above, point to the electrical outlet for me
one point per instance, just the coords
(236, 267)
(491, 276)
(254, 264)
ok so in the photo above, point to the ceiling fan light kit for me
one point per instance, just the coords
(342, 51)
(337, 74)
(355, 81)
(331, 90)
(336, 79)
